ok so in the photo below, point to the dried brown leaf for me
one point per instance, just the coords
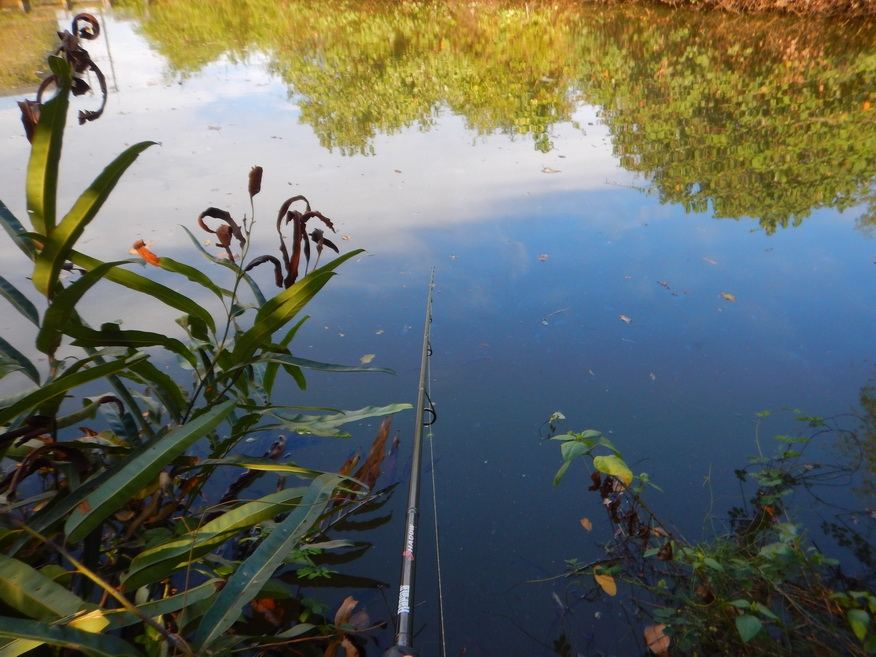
(255, 181)
(656, 639)
(606, 583)
(342, 616)
(727, 296)
(586, 524)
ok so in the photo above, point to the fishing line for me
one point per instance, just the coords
(434, 417)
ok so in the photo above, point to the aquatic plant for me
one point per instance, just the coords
(761, 588)
(106, 539)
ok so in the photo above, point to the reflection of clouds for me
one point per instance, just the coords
(214, 125)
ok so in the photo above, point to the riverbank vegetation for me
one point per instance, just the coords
(763, 117)
(116, 537)
(763, 582)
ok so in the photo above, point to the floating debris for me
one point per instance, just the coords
(626, 319)
(728, 297)
(543, 257)
(546, 319)
(711, 261)
(550, 170)
(367, 358)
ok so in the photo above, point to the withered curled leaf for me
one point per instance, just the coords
(278, 271)
(30, 116)
(255, 180)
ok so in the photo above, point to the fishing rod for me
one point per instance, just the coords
(426, 416)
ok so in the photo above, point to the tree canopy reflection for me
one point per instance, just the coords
(761, 117)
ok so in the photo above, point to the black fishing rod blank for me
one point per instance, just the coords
(425, 416)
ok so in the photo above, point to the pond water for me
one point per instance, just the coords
(658, 223)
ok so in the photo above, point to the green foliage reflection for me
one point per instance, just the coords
(761, 117)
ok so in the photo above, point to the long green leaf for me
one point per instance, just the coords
(33, 594)
(327, 425)
(153, 608)
(60, 241)
(63, 306)
(284, 307)
(261, 464)
(102, 645)
(271, 369)
(64, 383)
(256, 290)
(19, 301)
(252, 574)
(168, 391)
(11, 360)
(194, 275)
(145, 285)
(138, 471)
(157, 562)
(110, 335)
(45, 152)
(305, 363)
(16, 231)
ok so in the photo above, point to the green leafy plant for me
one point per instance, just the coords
(761, 588)
(107, 544)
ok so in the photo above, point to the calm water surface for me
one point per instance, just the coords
(562, 167)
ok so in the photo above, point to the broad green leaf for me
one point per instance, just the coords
(20, 302)
(296, 630)
(45, 152)
(147, 286)
(12, 360)
(194, 275)
(573, 449)
(110, 335)
(102, 645)
(858, 621)
(252, 574)
(60, 241)
(157, 562)
(256, 290)
(16, 231)
(139, 470)
(63, 384)
(327, 425)
(614, 466)
(748, 626)
(564, 437)
(33, 594)
(63, 307)
(714, 565)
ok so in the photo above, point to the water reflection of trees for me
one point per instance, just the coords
(755, 117)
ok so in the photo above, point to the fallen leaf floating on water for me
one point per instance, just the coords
(728, 297)
(143, 251)
(549, 170)
(543, 257)
(657, 641)
(586, 524)
(664, 284)
(367, 358)
(711, 261)
(606, 583)
(625, 319)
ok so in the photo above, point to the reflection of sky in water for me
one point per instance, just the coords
(516, 336)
